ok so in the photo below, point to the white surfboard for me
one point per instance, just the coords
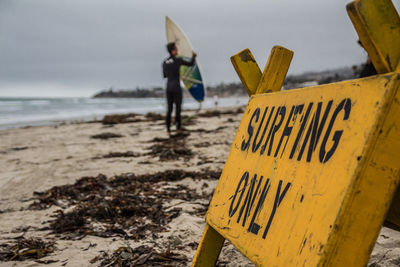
(191, 76)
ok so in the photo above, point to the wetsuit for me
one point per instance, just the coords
(368, 69)
(171, 67)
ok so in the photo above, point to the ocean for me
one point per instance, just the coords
(19, 112)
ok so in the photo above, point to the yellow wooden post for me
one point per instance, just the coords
(209, 248)
(271, 80)
(247, 70)
(275, 70)
(378, 26)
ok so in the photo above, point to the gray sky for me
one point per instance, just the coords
(78, 47)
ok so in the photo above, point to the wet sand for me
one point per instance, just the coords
(89, 217)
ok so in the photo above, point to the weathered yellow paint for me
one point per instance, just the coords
(275, 70)
(373, 188)
(274, 74)
(209, 248)
(328, 203)
(247, 70)
(378, 26)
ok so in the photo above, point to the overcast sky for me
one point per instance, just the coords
(78, 47)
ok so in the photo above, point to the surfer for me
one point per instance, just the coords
(368, 68)
(171, 67)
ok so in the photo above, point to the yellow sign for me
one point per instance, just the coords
(291, 191)
(312, 172)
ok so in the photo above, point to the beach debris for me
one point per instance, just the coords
(217, 113)
(140, 256)
(204, 160)
(69, 222)
(120, 118)
(21, 229)
(202, 144)
(22, 249)
(145, 162)
(127, 205)
(19, 148)
(208, 144)
(106, 136)
(152, 116)
(130, 118)
(201, 130)
(189, 120)
(127, 154)
(46, 261)
(172, 148)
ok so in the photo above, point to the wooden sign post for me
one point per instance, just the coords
(312, 172)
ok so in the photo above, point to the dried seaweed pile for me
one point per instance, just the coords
(23, 249)
(172, 148)
(128, 205)
(201, 130)
(130, 118)
(120, 118)
(151, 116)
(127, 154)
(189, 120)
(106, 136)
(217, 113)
(141, 256)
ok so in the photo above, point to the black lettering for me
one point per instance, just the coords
(323, 155)
(299, 110)
(272, 130)
(276, 128)
(254, 227)
(286, 132)
(300, 133)
(245, 178)
(250, 129)
(278, 199)
(315, 130)
(255, 144)
(249, 200)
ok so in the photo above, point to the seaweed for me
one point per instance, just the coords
(23, 249)
(105, 136)
(127, 205)
(140, 256)
(172, 148)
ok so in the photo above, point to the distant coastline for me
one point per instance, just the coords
(131, 93)
(236, 89)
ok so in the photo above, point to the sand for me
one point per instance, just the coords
(38, 158)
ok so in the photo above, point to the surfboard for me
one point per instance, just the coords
(190, 76)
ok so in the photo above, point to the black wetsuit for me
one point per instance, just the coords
(368, 69)
(171, 67)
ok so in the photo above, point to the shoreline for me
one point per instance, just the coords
(98, 113)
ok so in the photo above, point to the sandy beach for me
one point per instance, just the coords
(119, 190)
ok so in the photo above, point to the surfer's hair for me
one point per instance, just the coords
(170, 47)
